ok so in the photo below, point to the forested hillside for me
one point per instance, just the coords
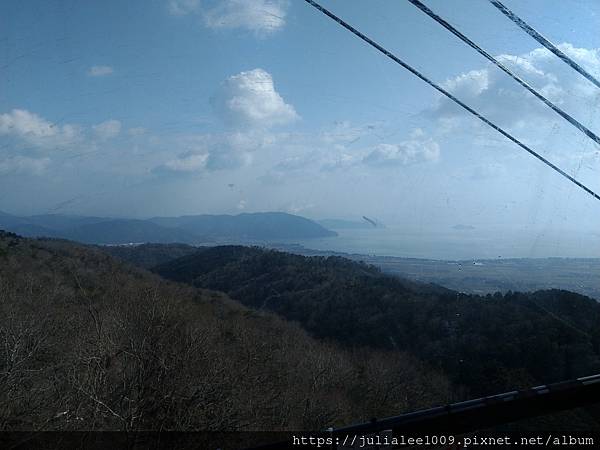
(487, 343)
(93, 343)
(90, 343)
(149, 255)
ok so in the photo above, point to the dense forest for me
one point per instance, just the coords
(487, 344)
(90, 343)
(147, 256)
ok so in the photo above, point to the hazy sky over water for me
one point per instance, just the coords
(169, 107)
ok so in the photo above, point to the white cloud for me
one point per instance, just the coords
(469, 84)
(100, 71)
(22, 165)
(107, 129)
(189, 162)
(210, 152)
(259, 16)
(262, 17)
(589, 58)
(343, 132)
(501, 99)
(250, 105)
(340, 162)
(418, 149)
(249, 99)
(35, 130)
(231, 151)
(24, 123)
(338, 147)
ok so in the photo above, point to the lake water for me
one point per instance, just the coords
(458, 244)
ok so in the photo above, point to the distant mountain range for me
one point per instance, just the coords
(198, 229)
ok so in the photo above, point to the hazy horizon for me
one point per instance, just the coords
(460, 241)
(268, 106)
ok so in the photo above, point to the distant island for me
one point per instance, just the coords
(196, 229)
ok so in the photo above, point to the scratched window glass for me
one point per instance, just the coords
(366, 208)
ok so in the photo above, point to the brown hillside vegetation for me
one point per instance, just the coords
(90, 343)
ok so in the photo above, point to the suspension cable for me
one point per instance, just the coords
(450, 96)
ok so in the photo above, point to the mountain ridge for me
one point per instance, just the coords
(192, 229)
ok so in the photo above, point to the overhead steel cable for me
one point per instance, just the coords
(545, 42)
(450, 96)
(593, 136)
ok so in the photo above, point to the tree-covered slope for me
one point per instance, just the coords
(149, 255)
(489, 344)
(90, 343)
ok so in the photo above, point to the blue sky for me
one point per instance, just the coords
(167, 107)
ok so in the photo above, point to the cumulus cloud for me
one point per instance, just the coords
(259, 16)
(418, 149)
(250, 106)
(497, 96)
(249, 99)
(107, 129)
(24, 123)
(23, 165)
(590, 58)
(100, 71)
(233, 150)
(262, 17)
(338, 147)
(35, 130)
